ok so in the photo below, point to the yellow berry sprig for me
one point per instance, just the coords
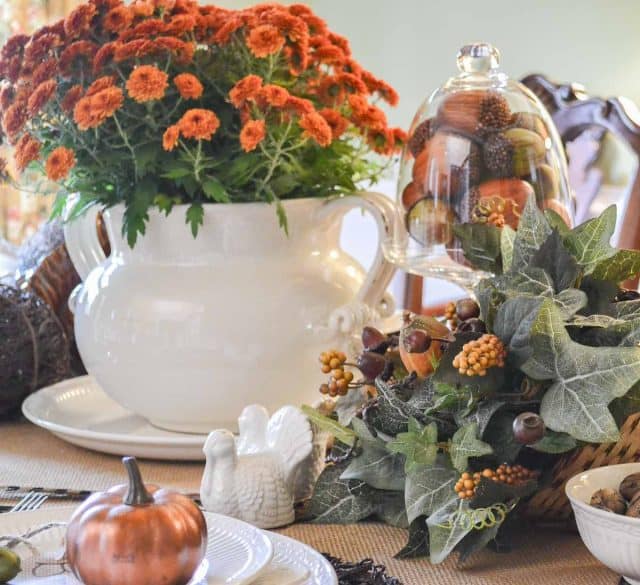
(480, 354)
(333, 362)
(507, 474)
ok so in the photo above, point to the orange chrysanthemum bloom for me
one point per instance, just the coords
(105, 53)
(40, 96)
(15, 46)
(330, 91)
(265, 40)
(316, 127)
(7, 93)
(199, 124)
(91, 111)
(330, 55)
(144, 30)
(245, 89)
(365, 115)
(37, 48)
(352, 83)
(147, 83)
(181, 24)
(27, 150)
(117, 19)
(299, 106)
(341, 42)
(142, 8)
(252, 134)
(376, 85)
(100, 84)
(46, 70)
(79, 20)
(71, 98)
(224, 33)
(170, 137)
(59, 163)
(382, 141)
(11, 67)
(137, 48)
(14, 119)
(292, 26)
(274, 95)
(315, 23)
(182, 50)
(76, 53)
(189, 86)
(336, 121)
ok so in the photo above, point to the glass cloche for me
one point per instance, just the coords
(478, 147)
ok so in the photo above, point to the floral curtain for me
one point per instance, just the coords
(21, 212)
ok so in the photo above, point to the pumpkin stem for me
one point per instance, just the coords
(137, 494)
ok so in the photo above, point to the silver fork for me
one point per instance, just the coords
(32, 501)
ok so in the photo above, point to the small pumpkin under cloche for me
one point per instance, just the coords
(138, 534)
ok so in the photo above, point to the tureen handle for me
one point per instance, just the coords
(81, 239)
(372, 293)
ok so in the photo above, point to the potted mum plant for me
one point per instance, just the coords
(247, 125)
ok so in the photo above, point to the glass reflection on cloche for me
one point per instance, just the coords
(478, 147)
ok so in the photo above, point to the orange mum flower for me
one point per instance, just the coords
(137, 48)
(182, 50)
(7, 93)
(337, 123)
(117, 19)
(181, 24)
(252, 134)
(14, 119)
(75, 53)
(46, 70)
(170, 137)
(245, 89)
(91, 111)
(37, 48)
(341, 42)
(14, 46)
(330, 55)
(59, 163)
(189, 86)
(382, 141)
(224, 33)
(331, 91)
(100, 84)
(265, 40)
(11, 68)
(142, 8)
(199, 124)
(41, 95)
(385, 91)
(71, 98)
(27, 150)
(274, 95)
(352, 83)
(365, 115)
(105, 54)
(147, 83)
(299, 106)
(316, 127)
(147, 28)
(79, 20)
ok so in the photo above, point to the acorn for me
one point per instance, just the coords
(545, 182)
(374, 340)
(610, 500)
(472, 326)
(530, 121)
(474, 111)
(422, 362)
(528, 428)
(630, 486)
(419, 136)
(467, 309)
(528, 150)
(431, 222)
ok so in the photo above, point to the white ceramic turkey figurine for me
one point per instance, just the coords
(254, 477)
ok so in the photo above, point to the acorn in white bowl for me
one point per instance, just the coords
(612, 537)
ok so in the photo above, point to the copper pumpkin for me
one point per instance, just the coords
(136, 534)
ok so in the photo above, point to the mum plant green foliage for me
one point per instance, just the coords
(572, 357)
(158, 102)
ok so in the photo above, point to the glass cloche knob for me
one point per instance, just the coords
(478, 148)
(478, 58)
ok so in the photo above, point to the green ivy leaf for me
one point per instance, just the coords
(622, 265)
(555, 443)
(533, 230)
(499, 434)
(507, 239)
(481, 245)
(481, 415)
(418, 540)
(390, 509)
(466, 444)
(584, 379)
(429, 488)
(324, 423)
(554, 259)
(445, 532)
(195, 217)
(589, 242)
(556, 222)
(513, 324)
(418, 444)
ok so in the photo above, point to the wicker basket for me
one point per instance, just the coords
(551, 504)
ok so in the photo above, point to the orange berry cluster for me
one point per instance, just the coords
(333, 362)
(479, 355)
(451, 315)
(511, 475)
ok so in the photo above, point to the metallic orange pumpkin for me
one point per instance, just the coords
(136, 534)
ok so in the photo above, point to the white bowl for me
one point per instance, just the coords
(613, 539)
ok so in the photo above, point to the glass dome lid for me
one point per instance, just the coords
(477, 148)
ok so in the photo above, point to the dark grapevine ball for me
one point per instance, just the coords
(472, 326)
(467, 309)
(528, 428)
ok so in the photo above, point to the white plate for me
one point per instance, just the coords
(78, 411)
(237, 553)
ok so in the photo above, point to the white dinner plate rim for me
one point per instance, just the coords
(58, 428)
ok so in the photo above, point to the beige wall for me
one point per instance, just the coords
(412, 43)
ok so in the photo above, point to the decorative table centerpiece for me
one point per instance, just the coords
(452, 433)
(211, 139)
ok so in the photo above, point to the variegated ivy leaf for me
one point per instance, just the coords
(533, 230)
(466, 444)
(447, 527)
(590, 242)
(418, 444)
(481, 245)
(554, 259)
(429, 488)
(622, 265)
(584, 379)
(507, 238)
(556, 222)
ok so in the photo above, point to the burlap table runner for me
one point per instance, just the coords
(31, 456)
